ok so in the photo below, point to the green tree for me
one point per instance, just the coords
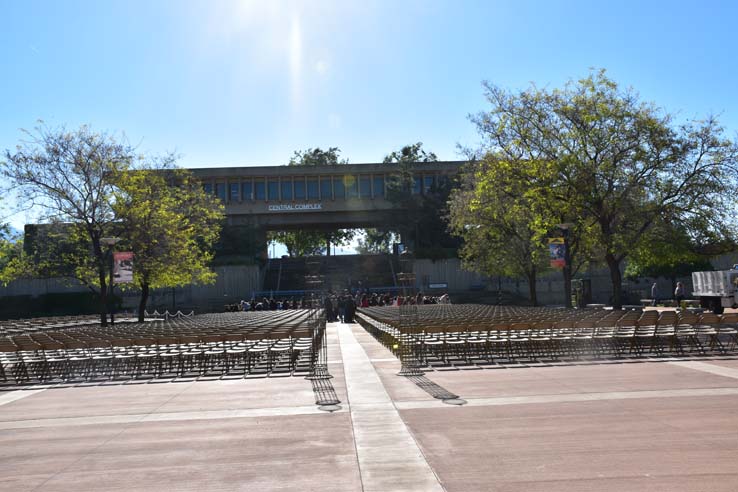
(503, 234)
(670, 252)
(376, 241)
(68, 177)
(12, 264)
(317, 157)
(299, 242)
(622, 164)
(422, 222)
(308, 243)
(170, 224)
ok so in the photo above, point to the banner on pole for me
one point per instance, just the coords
(122, 267)
(557, 252)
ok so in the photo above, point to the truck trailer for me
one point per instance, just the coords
(716, 290)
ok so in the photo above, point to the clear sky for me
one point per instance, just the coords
(241, 82)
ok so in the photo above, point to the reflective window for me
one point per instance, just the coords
(326, 193)
(208, 187)
(220, 191)
(247, 191)
(272, 190)
(379, 186)
(428, 182)
(299, 189)
(417, 184)
(259, 190)
(352, 186)
(286, 189)
(338, 188)
(365, 186)
(235, 188)
(313, 189)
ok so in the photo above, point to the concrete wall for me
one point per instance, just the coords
(38, 286)
(233, 284)
(238, 282)
(550, 287)
(446, 271)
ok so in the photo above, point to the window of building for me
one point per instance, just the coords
(286, 188)
(207, 187)
(259, 189)
(352, 186)
(365, 186)
(247, 191)
(220, 191)
(428, 182)
(378, 186)
(326, 193)
(312, 189)
(235, 188)
(272, 190)
(299, 188)
(339, 190)
(417, 185)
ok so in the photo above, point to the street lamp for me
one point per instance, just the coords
(110, 242)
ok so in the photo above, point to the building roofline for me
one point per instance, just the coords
(318, 169)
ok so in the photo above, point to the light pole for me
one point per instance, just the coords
(565, 229)
(110, 242)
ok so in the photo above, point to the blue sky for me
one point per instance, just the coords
(247, 83)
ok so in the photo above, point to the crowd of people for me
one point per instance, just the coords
(339, 307)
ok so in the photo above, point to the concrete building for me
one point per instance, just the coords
(315, 197)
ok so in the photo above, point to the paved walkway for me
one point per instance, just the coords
(389, 458)
(633, 425)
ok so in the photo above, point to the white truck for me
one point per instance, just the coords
(716, 290)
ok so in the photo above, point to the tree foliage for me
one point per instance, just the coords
(68, 176)
(619, 163)
(503, 234)
(410, 154)
(170, 224)
(422, 222)
(317, 157)
(668, 252)
(308, 243)
(376, 241)
(90, 186)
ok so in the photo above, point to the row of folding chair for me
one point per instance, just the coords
(608, 335)
(160, 349)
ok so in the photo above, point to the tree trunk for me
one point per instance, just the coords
(328, 245)
(617, 281)
(142, 302)
(532, 292)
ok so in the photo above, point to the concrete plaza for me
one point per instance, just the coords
(651, 424)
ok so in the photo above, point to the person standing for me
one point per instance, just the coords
(350, 309)
(654, 294)
(679, 293)
(328, 309)
(341, 308)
